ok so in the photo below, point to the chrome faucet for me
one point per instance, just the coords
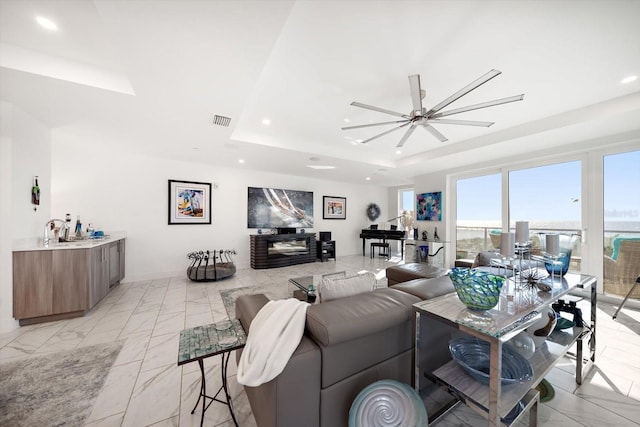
(64, 227)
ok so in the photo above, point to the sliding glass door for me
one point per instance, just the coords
(478, 205)
(621, 205)
(549, 198)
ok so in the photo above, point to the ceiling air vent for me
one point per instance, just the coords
(221, 120)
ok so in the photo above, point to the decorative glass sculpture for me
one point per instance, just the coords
(477, 289)
(561, 263)
(388, 403)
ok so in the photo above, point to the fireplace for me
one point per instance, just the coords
(279, 250)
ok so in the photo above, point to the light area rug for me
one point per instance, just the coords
(57, 389)
(280, 290)
(272, 291)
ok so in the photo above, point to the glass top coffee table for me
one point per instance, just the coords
(303, 283)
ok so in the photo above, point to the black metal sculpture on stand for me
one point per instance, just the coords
(209, 266)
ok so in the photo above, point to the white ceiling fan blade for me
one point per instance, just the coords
(384, 133)
(465, 90)
(433, 131)
(374, 124)
(406, 136)
(460, 122)
(416, 92)
(479, 106)
(380, 110)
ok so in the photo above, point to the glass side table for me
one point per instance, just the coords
(440, 319)
(196, 344)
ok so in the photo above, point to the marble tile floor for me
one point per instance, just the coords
(145, 387)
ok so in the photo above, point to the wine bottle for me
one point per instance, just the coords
(35, 193)
(78, 227)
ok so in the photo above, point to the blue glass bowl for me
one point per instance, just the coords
(473, 356)
(477, 289)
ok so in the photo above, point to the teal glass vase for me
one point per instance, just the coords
(478, 290)
(560, 266)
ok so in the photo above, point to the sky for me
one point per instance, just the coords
(553, 192)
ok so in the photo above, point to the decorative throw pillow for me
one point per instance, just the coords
(484, 258)
(329, 289)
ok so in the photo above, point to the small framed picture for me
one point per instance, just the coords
(189, 202)
(334, 207)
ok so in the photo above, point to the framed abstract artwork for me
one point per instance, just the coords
(276, 207)
(334, 207)
(189, 202)
(429, 206)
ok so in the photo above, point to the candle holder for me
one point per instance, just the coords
(553, 264)
(522, 255)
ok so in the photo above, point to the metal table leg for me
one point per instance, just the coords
(203, 393)
(224, 387)
(627, 297)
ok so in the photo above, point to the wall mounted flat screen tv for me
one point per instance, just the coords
(274, 207)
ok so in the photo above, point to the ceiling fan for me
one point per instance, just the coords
(419, 115)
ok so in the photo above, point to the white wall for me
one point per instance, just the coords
(25, 151)
(120, 192)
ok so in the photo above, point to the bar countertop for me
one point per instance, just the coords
(35, 243)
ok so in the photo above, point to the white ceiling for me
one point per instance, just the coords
(148, 76)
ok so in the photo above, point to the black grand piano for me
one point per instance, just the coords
(383, 235)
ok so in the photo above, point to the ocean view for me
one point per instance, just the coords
(610, 226)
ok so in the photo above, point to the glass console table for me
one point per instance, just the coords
(442, 383)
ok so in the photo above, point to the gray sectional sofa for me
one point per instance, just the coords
(348, 344)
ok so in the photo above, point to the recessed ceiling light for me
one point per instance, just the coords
(398, 152)
(368, 178)
(241, 161)
(629, 79)
(346, 120)
(321, 167)
(46, 23)
(266, 122)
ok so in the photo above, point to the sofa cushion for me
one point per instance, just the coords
(358, 315)
(484, 258)
(415, 270)
(426, 288)
(248, 306)
(329, 289)
(360, 331)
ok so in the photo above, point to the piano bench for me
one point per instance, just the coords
(380, 245)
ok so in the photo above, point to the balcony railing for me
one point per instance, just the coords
(472, 240)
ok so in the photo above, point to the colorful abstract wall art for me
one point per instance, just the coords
(429, 206)
(189, 202)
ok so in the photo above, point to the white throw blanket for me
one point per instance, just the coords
(273, 336)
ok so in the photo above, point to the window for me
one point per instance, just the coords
(547, 196)
(479, 202)
(621, 178)
(406, 199)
